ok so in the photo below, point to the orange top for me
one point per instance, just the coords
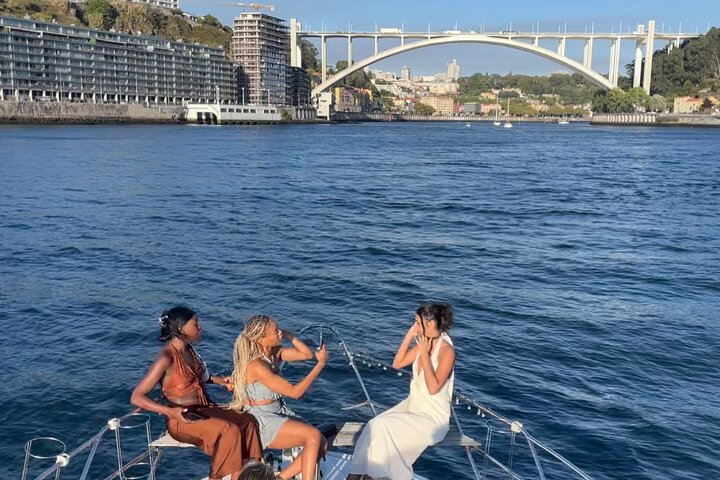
(183, 378)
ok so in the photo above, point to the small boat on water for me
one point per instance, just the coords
(497, 122)
(563, 122)
(507, 449)
(508, 123)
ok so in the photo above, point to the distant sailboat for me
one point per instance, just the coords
(497, 119)
(507, 123)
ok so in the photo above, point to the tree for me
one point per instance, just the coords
(309, 56)
(613, 101)
(707, 105)
(423, 109)
(638, 99)
(387, 103)
(359, 79)
(657, 103)
(209, 21)
(508, 94)
(100, 14)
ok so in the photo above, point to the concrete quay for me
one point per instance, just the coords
(12, 112)
(656, 119)
(396, 117)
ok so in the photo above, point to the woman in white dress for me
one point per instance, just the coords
(391, 442)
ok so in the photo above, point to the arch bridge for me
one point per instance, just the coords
(644, 37)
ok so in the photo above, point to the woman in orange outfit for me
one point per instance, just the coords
(229, 437)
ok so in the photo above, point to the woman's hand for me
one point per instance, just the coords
(226, 382)
(423, 344)
(321, 355)
(287, 335)
(176, 413)
(413, 331)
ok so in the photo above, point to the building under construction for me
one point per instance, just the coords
(260, 46)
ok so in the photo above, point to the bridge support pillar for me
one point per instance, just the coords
(323, 57)
(536, 41)
(587, 53)
(295, 51)
(376, 45)
(349, 58)
(402, 40)
(614, 68)
(638, 64)
(649, 45)
(561, 46)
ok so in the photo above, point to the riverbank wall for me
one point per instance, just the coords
(85, 113)
(396, 117)
(656, 119)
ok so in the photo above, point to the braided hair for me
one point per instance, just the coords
(247, 348)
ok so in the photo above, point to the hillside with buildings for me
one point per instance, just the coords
(447, 93)
(125, 17)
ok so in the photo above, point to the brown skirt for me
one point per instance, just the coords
(229, 437)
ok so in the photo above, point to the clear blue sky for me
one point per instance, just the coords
(495, 15)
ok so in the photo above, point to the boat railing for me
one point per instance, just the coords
(146, 460)
(495, 424)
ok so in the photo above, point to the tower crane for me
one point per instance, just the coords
(251, 6)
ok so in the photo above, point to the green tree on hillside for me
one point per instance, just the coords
(688, 69)
(309, 56)
(423, 109)
(619, 101)
(100, 14)
(210, 21)
(359, 79)
(657, 103)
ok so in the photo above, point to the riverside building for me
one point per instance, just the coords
(59, 63)
(260, 47)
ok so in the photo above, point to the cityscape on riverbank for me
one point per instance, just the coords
(267, 60)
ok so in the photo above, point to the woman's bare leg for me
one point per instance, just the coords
(296, 468)
(298, 434)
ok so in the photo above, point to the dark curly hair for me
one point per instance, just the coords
(257, 471)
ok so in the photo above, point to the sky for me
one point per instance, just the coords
(495, 15)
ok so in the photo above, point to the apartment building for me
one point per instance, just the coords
(48, 61)
(260, 46)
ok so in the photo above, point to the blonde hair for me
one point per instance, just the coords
(247, 348)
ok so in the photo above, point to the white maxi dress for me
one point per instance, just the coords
(391, 442)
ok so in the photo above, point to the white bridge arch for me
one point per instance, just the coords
(643, 37)
(574, 65)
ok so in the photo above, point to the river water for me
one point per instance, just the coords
(583, 264)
